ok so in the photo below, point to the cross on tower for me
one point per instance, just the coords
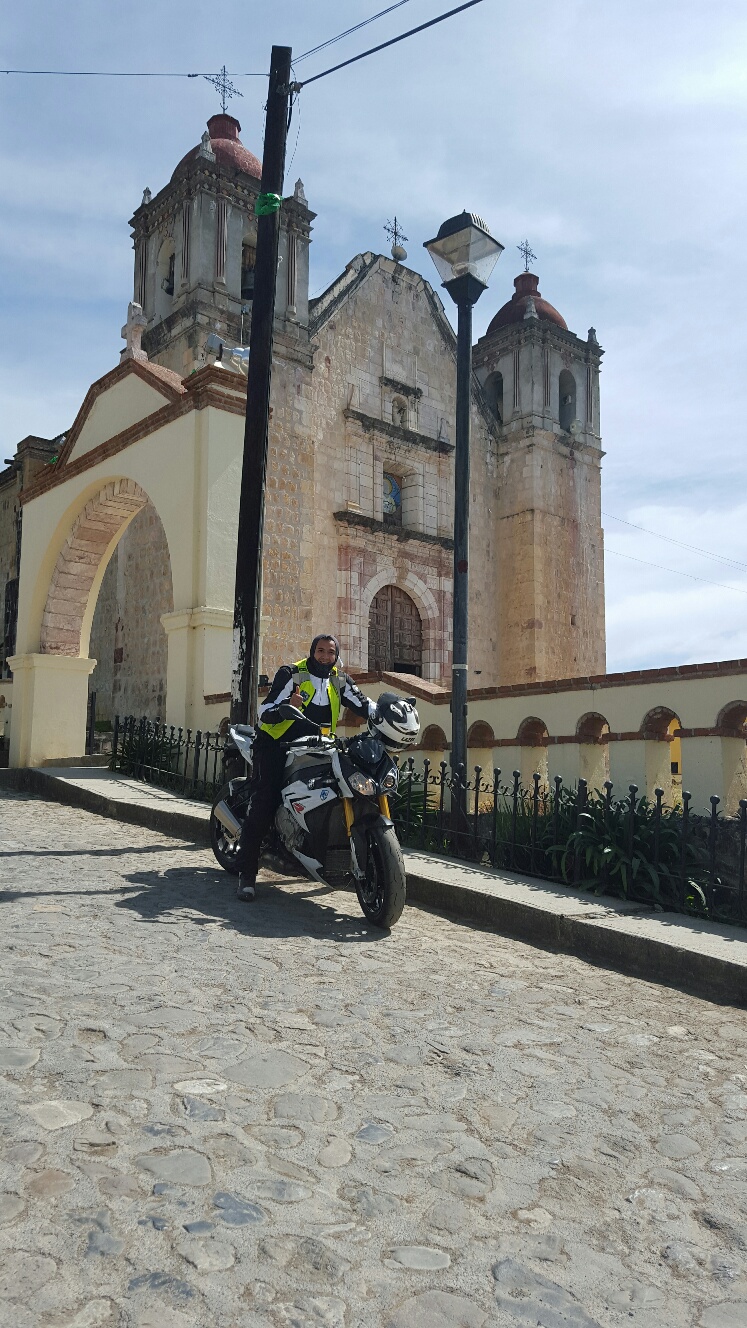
(222, 83)
(396, 235)
(527, 254)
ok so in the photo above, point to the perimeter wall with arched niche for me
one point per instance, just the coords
(622, 727)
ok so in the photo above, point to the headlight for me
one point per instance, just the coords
(391, 780)
(362, 784)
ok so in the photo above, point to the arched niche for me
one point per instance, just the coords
(532, 739)
(493, 389)
(731, 725)
(165, 277)
(592, 733)
(567, 402)
(660, 731)
(434, 739)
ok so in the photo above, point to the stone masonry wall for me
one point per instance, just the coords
(380, 351)
(127, 638)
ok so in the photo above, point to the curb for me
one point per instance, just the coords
(639, 943)
(194, 829)
(651, 952)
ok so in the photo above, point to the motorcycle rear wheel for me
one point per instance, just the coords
(383, 892)
(225, 848)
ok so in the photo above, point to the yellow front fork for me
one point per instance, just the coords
(347, 807)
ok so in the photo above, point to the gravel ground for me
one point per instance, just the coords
(273, 1116)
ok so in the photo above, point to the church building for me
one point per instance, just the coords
(359, 510)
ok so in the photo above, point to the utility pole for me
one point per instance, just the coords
(246, 616)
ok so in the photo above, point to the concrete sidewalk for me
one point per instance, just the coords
(706, 958)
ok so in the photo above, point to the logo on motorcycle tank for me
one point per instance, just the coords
(299, 807)
(324, 794)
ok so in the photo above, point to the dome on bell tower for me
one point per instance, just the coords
(517, 308)
(222, 138)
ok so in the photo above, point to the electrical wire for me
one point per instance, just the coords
(392, 42)
(719, 557)
(349, 31)
(117, 73)
(676, 572)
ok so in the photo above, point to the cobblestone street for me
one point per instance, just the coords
(272, 1116)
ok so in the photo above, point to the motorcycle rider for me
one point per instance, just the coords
(315, 688)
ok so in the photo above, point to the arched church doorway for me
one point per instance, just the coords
(395, 633)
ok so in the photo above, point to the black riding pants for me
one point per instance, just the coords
(269, 765)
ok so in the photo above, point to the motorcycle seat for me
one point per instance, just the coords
(245, 730)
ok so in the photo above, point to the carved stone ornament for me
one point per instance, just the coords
(206, 148)
(133, 332)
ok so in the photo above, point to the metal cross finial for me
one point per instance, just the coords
(222, 83)
(527, 254)
(396, 235)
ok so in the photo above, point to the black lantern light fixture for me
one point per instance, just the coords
(465, 254)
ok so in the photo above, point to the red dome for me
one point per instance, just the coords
(227, 146)
(513, 312)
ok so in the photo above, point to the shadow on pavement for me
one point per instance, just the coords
(275, 912)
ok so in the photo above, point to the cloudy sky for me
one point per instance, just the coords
(610, 134)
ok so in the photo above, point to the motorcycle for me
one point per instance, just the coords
(333, 819)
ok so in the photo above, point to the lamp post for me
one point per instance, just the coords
(465, 254)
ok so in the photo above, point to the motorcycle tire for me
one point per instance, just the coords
(225, 848)
(383, 892)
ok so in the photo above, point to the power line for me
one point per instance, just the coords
(675, 572)
(694, 548)
(392, 42)
(116, 73)
(348, 32)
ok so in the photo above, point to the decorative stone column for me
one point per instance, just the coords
(50, 700)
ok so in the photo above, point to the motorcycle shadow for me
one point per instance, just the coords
(284, 906)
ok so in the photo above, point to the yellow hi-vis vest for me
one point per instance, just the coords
(302, 677)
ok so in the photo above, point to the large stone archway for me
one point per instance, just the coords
(81, 563)
(52, 684)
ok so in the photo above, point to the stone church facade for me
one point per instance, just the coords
(359, 513)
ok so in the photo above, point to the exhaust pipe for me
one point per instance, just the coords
(223, 813)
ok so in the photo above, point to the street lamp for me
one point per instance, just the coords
(465, 254)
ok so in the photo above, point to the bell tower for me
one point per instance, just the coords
(541, 382)
(195, 243)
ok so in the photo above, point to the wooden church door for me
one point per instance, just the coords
(395, 633)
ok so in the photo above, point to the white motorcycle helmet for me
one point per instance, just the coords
(395, 722)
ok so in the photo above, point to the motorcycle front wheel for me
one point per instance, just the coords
(382, 893)
(224, 847)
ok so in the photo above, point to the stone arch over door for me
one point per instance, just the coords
(395, 633)
(80, 566)
(425, 601)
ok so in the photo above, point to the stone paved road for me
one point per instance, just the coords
(274, 1117)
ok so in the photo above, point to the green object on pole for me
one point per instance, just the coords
(266, 204)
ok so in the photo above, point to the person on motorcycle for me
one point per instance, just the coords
(315, 688)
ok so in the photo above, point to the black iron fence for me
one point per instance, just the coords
(634, 847)
(187, 762)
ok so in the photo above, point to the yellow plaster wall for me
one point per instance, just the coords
(123, 404)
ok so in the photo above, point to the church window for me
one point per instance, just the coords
(399, 412)
(494, 393)
(567, 392)
(392, 499)
(395, 633)
(248, 259)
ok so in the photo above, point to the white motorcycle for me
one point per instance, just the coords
(334, 818)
